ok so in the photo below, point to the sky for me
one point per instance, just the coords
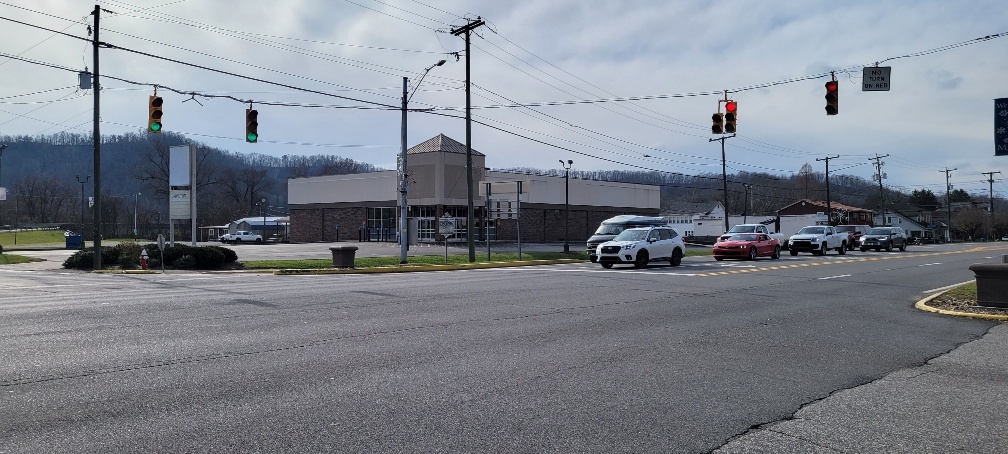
(608, 84)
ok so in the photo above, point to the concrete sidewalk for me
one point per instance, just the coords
(957, 402)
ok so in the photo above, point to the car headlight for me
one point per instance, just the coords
(742, 246)
(627, 247)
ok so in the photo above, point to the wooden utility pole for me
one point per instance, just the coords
(466, 29)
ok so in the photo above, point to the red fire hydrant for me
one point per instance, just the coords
(143, 259)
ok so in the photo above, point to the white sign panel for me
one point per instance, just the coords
(3, 193)
(179, 204)
(178, 167)
(875, 78)
(446, 224)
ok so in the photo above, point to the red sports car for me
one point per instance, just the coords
(746, 246)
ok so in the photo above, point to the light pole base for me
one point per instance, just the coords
(566, 248)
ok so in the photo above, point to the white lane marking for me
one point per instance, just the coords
(834, 277)
(584, 270)
(930, 264)
(936, 290)
(732, 265)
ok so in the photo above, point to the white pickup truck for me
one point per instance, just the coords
(241, 235)
(753, 228)
(818, 239)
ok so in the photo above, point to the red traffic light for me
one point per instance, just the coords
(832, 97)
(730, 107)
(831, 86)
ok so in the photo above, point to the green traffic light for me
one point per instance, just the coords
(251, 137)
(155, 127)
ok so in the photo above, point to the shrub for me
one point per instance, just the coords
(129, 255)
(229, 254)
(84, 258)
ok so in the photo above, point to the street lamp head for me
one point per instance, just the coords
(440, 63)
(570, 161)
(561, 162)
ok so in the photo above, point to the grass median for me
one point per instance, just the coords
(415, 263)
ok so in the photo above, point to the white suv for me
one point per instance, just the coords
(642, 245)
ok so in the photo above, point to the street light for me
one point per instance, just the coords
(136, 203)
(403, 224)
(3, 147)
(567, 167)
(86, 179)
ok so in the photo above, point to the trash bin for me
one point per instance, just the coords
(343, 256)
(74, 242)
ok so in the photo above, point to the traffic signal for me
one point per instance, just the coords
(832, 97)
(731, 109)
(154, 113)
(718, 126)
(251, 125)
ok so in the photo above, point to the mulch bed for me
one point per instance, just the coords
(964, 305)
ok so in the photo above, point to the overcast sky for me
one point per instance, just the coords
(773, 56)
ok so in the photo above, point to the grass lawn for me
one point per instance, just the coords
(10, 259)
(963, 292)
(33, 238)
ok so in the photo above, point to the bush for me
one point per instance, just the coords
(229, 254)
(84, 258)
(127, 256)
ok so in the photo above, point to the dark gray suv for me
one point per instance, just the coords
(879, 238)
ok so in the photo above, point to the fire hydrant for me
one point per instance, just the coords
(143, 259)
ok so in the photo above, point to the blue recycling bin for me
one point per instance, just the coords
(74, 242)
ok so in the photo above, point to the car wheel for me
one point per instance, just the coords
(776, 253)
(237, 240)
(794, 252)
(888, 247)
(676, 259)
(258, 240)
(752, 253)
(592, 258)
(719, 258)
(822, 249)
(607, 265)
(864, 249)
(903, 247)
(843, 248)
(642, 259)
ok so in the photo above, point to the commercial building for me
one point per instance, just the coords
(365, 206)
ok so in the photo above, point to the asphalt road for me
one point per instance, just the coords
(552, 358)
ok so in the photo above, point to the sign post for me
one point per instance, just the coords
(446, 226)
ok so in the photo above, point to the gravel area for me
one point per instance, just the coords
(951, 303)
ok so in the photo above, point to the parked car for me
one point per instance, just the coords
(818, 239)
(887, 238)
(752, 228)
(746, 246)
(854, 233)
(615, 225)
(641, 246)
(241, 235)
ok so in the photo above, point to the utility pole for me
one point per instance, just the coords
(745, 212)
(948, 204)
(829, 207)
(567, 166)
(990, 179)
(881, 193)
(403, 173)
(724, 177)
(97, 146)
(466, 29)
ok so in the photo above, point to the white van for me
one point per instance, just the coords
(616, 225)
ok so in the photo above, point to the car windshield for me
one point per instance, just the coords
(845, 228)
(742, 229)
(610, 229)
(878, 232)
(631, 235)
(742, 237)
(811, 231)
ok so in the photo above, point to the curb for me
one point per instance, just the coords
(922, 305)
